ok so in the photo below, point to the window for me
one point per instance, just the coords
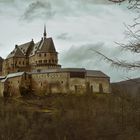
(45, 54)
(23, 62)
(100, 88)
(19, 62)
(40, 55)
(40, 61)
(91, 89)
(49, 61)
(38, 70)
(45, 61)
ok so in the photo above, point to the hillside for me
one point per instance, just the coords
(70, 117)
(131, 87)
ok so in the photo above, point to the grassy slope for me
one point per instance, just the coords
(71, 117)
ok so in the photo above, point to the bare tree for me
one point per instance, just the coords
(133, 31)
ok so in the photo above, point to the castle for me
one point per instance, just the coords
(33, 67)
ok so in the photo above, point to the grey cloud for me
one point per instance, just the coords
(0, 44)
(63, 36)
(81, 54)
(95, 1)
(38, 9)
(86, 52)
(84, 56)
(7, 1)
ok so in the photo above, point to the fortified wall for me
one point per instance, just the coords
(33, 68)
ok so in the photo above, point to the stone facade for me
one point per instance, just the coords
(34, 67)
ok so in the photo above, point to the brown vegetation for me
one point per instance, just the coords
(71, 117)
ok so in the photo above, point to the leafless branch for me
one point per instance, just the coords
(133, 47)
(119, 63)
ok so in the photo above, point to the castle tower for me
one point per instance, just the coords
(44, 55)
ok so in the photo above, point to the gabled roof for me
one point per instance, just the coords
(16, 53)
(94, 73)
(46, 45)
(25, 47)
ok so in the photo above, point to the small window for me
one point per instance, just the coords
(40, 55)
(100, 88)
(45, 61)
(40, 61)
(19, 62)
(45, 54)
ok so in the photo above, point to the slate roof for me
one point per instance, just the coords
(12, 75)
(24, 47)
(2, 77)
(1, 59)
(94, 73)
(16, 53)
(35, 48)
(46, 45)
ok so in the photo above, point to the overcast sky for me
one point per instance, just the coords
(76, 26)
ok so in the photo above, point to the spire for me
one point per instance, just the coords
(45, 34)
